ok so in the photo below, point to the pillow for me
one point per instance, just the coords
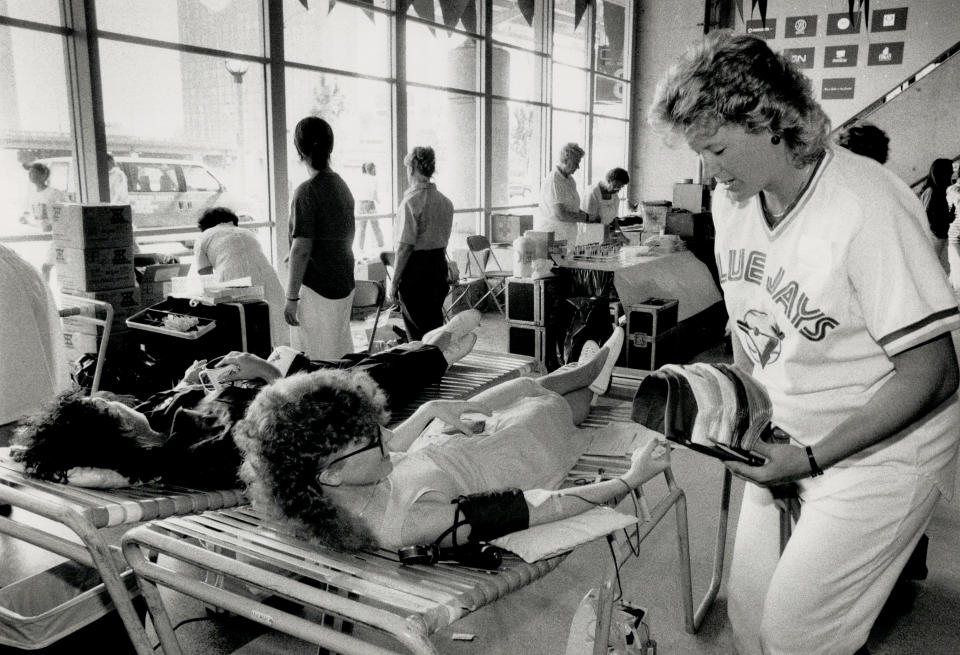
(548, 539)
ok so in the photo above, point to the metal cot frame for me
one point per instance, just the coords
(89, 513)
(408, 603)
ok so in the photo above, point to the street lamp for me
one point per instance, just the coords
(238, 68)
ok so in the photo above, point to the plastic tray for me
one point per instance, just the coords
(151, 320)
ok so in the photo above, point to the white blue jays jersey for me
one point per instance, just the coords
(822, 301)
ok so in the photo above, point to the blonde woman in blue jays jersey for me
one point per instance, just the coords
(840, 309)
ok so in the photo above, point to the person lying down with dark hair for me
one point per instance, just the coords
(185, 435)
(316, 456)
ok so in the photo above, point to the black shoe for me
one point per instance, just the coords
(916, 566)
(5, 510)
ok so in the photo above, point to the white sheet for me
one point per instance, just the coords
(679, 275)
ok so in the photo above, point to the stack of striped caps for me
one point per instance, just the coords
(703, 404)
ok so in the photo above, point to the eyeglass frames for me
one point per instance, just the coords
(377, 442)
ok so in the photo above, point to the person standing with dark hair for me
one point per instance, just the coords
(933, 195)
(230, 252)
(865, 139)
(424, 223)
(843, 314)
(320, 282)
(601, 202)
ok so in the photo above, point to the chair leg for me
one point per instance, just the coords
(373, 331)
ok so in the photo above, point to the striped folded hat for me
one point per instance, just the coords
(703, 404)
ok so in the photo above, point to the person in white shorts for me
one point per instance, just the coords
(841, 310)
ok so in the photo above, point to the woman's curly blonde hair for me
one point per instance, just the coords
(735, 79)
(289, 432)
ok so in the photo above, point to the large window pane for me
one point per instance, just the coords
(510, 26)
(450, 123)
(570, 39)
(610, 143)
(40, 11)
(569, 127)
(195, 137)
(359, 111)
(517, 74)
(340, 36)
(235, 25)
(570, 87)
(442, 58)
(34, 125)
(515, 135)
(613, 37)
(461, 14)
(610, 96)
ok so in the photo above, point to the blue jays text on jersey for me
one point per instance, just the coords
(750, 267)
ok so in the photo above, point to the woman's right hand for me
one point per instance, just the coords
(290, 312)
(450, 411)
(647, 462)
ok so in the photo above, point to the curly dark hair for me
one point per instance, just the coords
(736, 79)
(289, 432)
(71, 431)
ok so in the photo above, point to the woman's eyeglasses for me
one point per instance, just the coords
(376, 442)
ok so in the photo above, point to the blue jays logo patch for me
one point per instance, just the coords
(761, 336)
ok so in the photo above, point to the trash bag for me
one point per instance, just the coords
(589, 319)
(126, 371)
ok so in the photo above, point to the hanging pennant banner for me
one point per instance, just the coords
(527, 10)
(865, 6)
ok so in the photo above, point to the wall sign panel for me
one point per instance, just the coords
(797, 26)
(838, 24)
(838, 88)
(835, 56)
(885, 54)
(889, 20)
(801, 57)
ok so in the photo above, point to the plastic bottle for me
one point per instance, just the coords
(523, 254)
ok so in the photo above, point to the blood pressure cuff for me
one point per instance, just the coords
(492, 514)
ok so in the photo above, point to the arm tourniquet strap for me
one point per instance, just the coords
(492, 514)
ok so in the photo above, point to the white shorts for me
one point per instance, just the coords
(846, 552)
(324, 330)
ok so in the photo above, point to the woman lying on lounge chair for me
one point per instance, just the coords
(185, 435)
(316, 454)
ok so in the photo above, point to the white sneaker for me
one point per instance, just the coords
(588, 352)
(463, 323)
(459, 348)
(613, 345)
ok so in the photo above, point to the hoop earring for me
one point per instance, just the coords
(775, 139)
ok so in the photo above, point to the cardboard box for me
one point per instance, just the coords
(370, 269)
(156, 281)
(77, 344)
(92, 226)
(688, 225)
(95, 269)
(694, 198)
(542, 240)
(505, 228)
(125, 302)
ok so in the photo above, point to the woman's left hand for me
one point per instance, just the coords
(784, 463)
(450, 411)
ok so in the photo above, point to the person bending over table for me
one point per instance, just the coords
(559, 209)
(360, 485)
(185, 435)
(842, 312)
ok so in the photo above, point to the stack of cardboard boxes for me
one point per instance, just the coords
(94, 259)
